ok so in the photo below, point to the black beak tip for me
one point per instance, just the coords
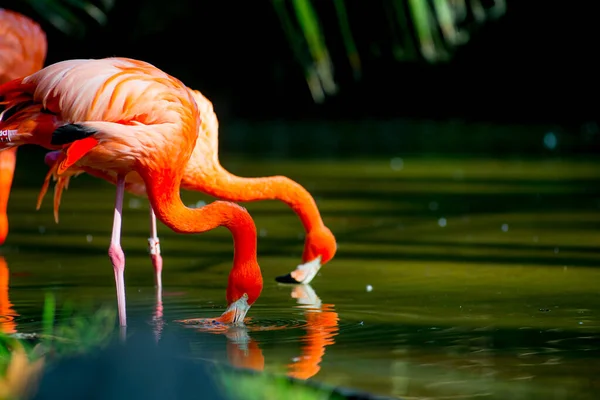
(287, 279)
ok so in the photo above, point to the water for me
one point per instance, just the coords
(455, 277)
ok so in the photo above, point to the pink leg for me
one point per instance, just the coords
(115, 252)
(154, 249)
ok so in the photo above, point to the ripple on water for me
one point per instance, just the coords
(250, 324)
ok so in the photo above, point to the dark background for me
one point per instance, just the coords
(537, 63)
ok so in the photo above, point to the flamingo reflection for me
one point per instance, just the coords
(7, 313)
(158, 322)
(243, 351)
(321, 327)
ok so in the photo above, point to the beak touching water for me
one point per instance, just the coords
(236, 312)
(304, 273)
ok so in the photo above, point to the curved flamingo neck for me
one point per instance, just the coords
(218, 182)
(163, 194)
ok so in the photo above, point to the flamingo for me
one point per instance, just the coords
(118, 117)
(22, 52)
(205, 174)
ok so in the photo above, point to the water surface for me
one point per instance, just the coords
(455, 277)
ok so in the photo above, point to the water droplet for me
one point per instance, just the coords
(89, 238)
(504, 227)
(433, 206)
(442, 222)
(262, 232)
(556, 250)
(397, 164)
(134, 203)
(550, 140)
(41, 229)
(535, 239)
(369, 288)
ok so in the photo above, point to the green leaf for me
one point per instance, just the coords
(351, 50)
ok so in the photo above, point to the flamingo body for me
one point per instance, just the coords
(117, 116)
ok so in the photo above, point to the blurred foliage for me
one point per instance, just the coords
(20, 368)
(244, 385)
(23, 357)
(67, 15)
(430, 30)
(81, 331)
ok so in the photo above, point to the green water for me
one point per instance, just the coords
(484, 274)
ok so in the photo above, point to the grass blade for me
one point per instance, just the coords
(48, 315)
(352, 52)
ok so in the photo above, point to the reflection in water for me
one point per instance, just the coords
(321, 326)
(243, 351)
(7, 314)
(501, 298)
(157, 318)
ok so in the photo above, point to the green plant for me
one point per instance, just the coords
(250, 386)
(428, 30)
(23, 357)
(81, 330)
(66, 15)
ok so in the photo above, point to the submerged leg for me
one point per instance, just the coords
(154, 249)
(115, 252)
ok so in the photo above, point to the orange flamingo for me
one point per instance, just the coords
(22, 52)
(116, 117)
(204, 173)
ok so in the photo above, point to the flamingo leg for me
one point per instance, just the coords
(115, 252)
(154, 249)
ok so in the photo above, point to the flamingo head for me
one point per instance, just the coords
(319, 242)
(244, 288)
(319, 248)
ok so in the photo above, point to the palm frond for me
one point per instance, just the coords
(418, 30)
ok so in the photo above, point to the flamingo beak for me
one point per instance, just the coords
(236, 312)
(304, 273)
